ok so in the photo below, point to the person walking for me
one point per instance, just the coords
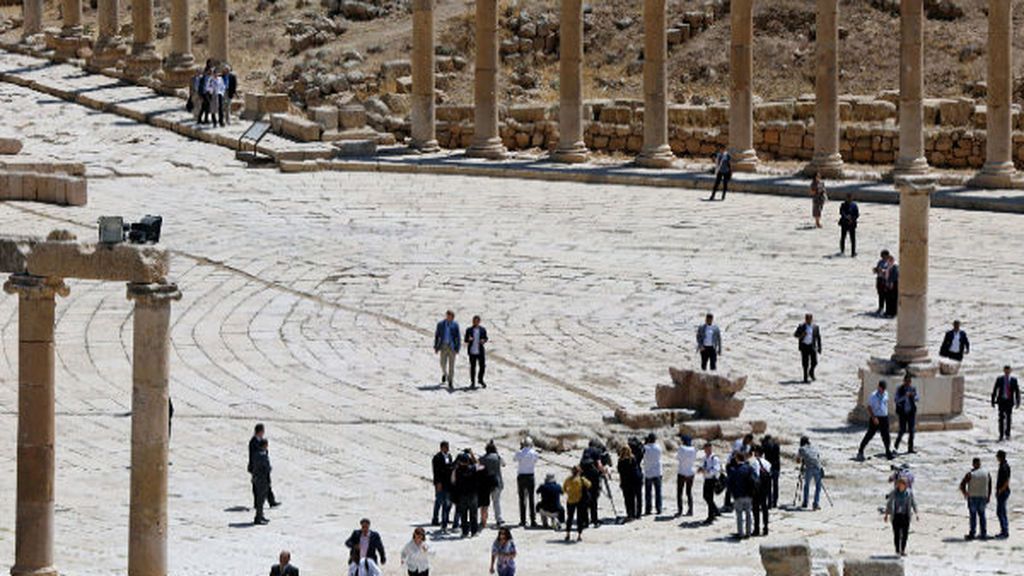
(652, 474)
(204, 93)
(881, 271)
(808, 337)
(906, 411)
(878, 420)
(466, 490)
(416, 554)
(976, 488)
(848, 216)
(1002, 494)
(550, 506)
(526, 463)
(741, 485)
(476, 338)
(686, 457)
(594, 463)
(898, 505)
(631, 482)
(503, 554)
(446, 346)
(762, 490)
(723, 172)
(955, 344)
(811, 467)
(1006, 395)
(892, 287)
(576, 489)
(493, 464)
(367, 543)
(260, 481)
(442, 467)
(773, 454)
(230, 91)
(709, 343)
(818, 198)
(259, 433)
(284, 565)
(711, 470)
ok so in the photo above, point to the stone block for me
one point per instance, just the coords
(955, 112)
(10, 146)
(117, 262)
(710, 394)
(356, 148)
(326, 117)
(872, 110)
(76, 193)
(873, 567)
(616, 114)
(768, 111)
(786, 558)
(674, 36)
(527, 113)
(300, 129)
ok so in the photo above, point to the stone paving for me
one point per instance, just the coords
(309, 303)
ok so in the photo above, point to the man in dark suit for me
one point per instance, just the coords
(723, 173)
(254, 447)
(260, 480)
(476, 338)
(284, 566)
(447, 340)
(892, 288)
(848, 216)
(709, 343)
(367, 542)
(441, 466)
(808, 337)
(1006, 394)
(955, 344)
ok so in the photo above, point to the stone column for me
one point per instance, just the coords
(33, 539)
(143, 60)
(911, 158)
(741, 99)
(70, 40)
(110, 47)
(147, 541)
(180, 64)
(998, 170)
(912, 319)
(656, 152)
(486, 139)
(571, 148)
(827, 160)
(219, 30)
(32, 12)
(424, 116)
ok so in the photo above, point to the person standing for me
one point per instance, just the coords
(773, 454)
(818, 198)
(368, 543)
(762, 490)
(630, 481)
(230, 91)
(709, 343)
(503, 554)
(977, 490)
(878, 420)
(442, 472)
(576, 489)
(652, 474)
(810, 466)
(416, 554)
(723, 172)
(594, 463)
(365, 566)
(260, 480)
(892, 287)
(1006, 395)
(955, 344)
(221, 96)
(446, 345)
(466, 489)
(881, 271)
(808, 337)
(493, 463)
(906, 411)
(195, 95)
(711, 470)
(214, 88)
(898, 505)
(284, 565)
(550, 506)
(686, 457)
(848, 216)
(204, 93)
(741, 485)
(1002, 494)
(476, 338)
(526, 462)
(259, 433)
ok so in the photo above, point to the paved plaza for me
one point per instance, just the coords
(309, 304)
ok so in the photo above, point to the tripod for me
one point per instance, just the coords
(800, 486)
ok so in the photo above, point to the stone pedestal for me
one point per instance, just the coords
(486, 139)
(219, 30)
(33, 540)
(826, 161)
(147, 540)
(71, 39)
(741, 103)
(571, 148)
(32, 12)
(911, 158)
(180, 65)
(998, 171)
(424, 111)
(143, 60)
(656, 152)
(110, 50)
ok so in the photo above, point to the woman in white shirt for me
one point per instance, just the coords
(361, 567)
(686, 456)
(415, 555)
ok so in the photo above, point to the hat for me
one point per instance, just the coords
(549, 477)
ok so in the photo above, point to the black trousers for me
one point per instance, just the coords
(466, 508)
(474, 360)
(260, 490)
(809, 359)
(684, 483)
(958, 356)
(775, 485)
(593, 497)
(633, 497)
(204, 110)
(579, 512)
(722, 178)
(1005, 418)
(908, 424)
(880, 289)
(762, 501)
(900, 531)
(708, 354)
(883, 428)
(709, 497)
(892, 299)
(525, 486)
(852, 232)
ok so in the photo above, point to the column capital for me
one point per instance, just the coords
(36, 287)
(923, 185)
(152, 294)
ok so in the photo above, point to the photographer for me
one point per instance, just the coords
(812, 470)
(594, 464)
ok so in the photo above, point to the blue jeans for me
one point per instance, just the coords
(442, 504)
(812, 474)
(656, 484)
(1004, 520)
(976, 506)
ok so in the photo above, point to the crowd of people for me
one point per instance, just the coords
(211, 92)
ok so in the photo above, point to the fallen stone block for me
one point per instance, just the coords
(10, 145)
(786, 558)
(873, 567)
(652, 418)
(356, 148)
(711, 395)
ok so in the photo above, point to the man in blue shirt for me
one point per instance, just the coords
(447, 341)
(878, 420)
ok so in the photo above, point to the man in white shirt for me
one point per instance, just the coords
(526, 461)
(878, 420)
(709, 343)
(955, 344)
(711, 469)
(476, 339)
(808, 337)
(652, 473)
(686, 457)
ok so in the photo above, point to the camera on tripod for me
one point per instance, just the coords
(113, 230)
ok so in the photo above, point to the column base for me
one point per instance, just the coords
(142, 63)
(995, 175)
(179, 70)
(45, 571)
(910, 354)
(659, 157)
(575, 153)
(910, 167)
(69, 44)
(744, 160)
(828, 165)
(425, 146)
(491, 149)
(940, 389)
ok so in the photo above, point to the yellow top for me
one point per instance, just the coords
(574, 487)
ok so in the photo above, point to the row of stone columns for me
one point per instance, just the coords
(656, 152)
(34, 515)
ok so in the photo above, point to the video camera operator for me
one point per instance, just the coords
(595, 464)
